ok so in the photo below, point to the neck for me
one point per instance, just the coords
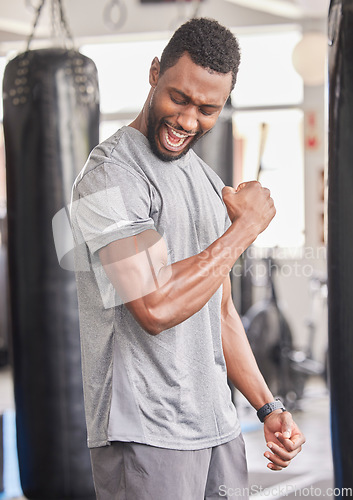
(141, 121)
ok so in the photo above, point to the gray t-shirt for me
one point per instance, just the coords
(168, 390)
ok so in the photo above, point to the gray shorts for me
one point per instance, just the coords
(132, 471)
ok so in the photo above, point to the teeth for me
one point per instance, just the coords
(177, 134)
(182, 136)
(176, 144)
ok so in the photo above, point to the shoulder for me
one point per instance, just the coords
(114, 161)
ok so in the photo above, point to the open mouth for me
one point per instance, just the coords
(174, 140)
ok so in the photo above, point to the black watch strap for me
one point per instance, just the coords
(269, 408)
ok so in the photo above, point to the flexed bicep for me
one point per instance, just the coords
(133, 264)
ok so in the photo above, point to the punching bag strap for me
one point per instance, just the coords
(36, 19)
(60, 27)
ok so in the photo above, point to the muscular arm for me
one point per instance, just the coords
(161, 296)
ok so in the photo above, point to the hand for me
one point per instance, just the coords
(251, 203)
(283, 438)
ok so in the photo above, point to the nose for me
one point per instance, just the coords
(187, 120)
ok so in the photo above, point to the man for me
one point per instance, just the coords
(160, 334)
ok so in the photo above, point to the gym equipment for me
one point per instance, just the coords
(285, 368)
(51, 122)
(340, 237)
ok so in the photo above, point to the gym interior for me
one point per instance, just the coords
(286, 124)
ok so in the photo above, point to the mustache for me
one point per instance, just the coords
(181, 129)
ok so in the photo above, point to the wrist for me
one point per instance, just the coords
(274, 412)
(269, 408)
(242, 233)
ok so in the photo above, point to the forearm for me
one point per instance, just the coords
(186, 286)
(242, 368)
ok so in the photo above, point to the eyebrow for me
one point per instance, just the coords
(185, 96)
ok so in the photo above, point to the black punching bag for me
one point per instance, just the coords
(51, 122)
(340, 237)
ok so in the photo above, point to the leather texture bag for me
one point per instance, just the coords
(51, 122)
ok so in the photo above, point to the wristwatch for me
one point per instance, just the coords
(269, 408)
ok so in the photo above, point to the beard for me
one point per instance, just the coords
(153, 126)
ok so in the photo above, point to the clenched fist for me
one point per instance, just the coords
(250, 205)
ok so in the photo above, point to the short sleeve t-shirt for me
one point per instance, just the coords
(169, 390)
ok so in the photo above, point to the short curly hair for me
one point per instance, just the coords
(209, 45)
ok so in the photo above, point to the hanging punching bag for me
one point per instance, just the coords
(340, 237)
(51, 120)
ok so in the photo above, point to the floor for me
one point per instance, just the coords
(311, 473)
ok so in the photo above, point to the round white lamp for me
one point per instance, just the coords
(309, 58)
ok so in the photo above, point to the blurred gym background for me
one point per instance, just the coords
(274, 128)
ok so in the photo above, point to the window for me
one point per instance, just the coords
(266, 75)
(123, 72)
(282, 169)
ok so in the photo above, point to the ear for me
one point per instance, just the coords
(154, 72)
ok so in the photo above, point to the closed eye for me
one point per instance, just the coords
(178, 101)
(208, 112)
